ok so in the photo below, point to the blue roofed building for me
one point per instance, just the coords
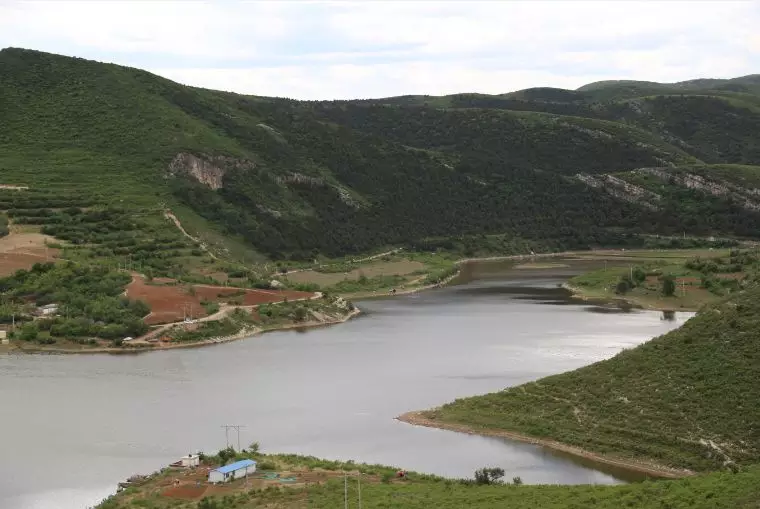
(236, 470)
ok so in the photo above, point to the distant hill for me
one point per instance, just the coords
(290, 179)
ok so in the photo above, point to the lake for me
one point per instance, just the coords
(72, 426)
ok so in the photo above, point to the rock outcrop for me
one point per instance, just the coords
(208, 170)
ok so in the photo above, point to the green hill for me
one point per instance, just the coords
(256, 177)
(687, 399)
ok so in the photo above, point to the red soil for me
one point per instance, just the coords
(173, 303)
(11, 262)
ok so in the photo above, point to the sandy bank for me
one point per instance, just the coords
(651, 469)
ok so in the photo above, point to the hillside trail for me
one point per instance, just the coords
(168, 214)
(357, 260)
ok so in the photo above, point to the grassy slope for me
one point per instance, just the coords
(663, 401)
(715, 491)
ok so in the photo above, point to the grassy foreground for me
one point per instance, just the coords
(319, 484)
(687, 399)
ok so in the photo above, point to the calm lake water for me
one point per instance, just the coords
(71, 427)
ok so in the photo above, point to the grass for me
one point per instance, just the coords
(691, 290)
(419, 491)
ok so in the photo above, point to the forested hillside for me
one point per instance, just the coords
(292, 179)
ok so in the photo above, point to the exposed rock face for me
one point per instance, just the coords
(745, 197)
(622, 190)
(208, 170)
(299, 178)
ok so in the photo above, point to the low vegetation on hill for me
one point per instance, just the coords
(687, 399)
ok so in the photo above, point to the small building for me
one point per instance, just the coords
(236, 470)
(190, 461)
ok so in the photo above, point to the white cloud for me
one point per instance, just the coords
(361, 49)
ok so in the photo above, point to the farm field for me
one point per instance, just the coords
(171, 301)
(22, 250)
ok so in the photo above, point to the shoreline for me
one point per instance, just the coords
(416, 418)
(578, 293)
(243, 334)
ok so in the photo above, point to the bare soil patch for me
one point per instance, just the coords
(22, 250)
(173, 303)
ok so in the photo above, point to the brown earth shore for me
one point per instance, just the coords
(650, 469)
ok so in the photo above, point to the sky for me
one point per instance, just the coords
(361, 49)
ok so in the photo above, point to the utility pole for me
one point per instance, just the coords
(345, 491)
(359, 486)
(227, 433)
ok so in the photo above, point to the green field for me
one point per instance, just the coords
(638, 277)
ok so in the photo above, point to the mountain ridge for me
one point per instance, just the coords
(293, 179)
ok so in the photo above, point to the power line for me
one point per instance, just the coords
(236, 427)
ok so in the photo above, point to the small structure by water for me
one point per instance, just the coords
(236, 470)
(189, 461)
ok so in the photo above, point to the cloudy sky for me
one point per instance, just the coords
(324, 50)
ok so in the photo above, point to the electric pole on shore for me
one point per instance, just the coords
(227, 433)
(359, 486)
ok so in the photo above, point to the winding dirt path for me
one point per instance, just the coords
(168, 214)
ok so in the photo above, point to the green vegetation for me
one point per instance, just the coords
(299, 180)
(380, 489)
(367, 284)
(264, 317)
(687, 399)
(669, 279)
(88, 303)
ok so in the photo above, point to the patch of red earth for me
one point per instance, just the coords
(11, 262)
(174, 303)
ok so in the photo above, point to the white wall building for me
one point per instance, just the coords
(190, 461)
(236, 470)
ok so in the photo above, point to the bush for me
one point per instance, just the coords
(668, 285)
(489, 475)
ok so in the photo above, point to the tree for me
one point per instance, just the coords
(622, 287)
(300, 314)
(28, 332)
(489, 475)
(639, 276)
(226, 454)
(668, 285)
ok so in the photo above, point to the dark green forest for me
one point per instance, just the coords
(295, 179)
